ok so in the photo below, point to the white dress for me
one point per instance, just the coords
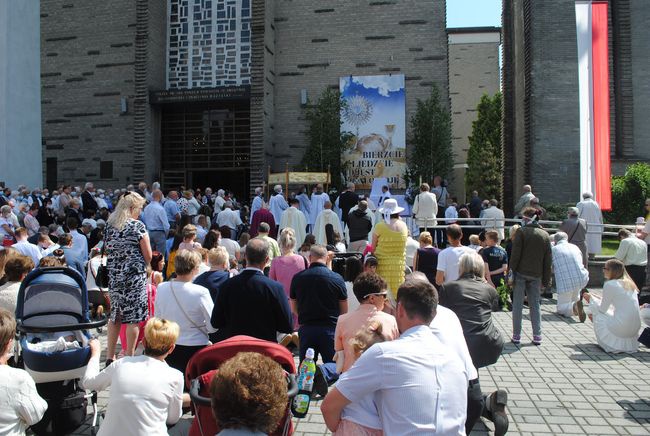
(616, 318)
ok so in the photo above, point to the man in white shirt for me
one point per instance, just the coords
(219, 201)
(451, 213)
(448, 258)
(24, 247)
(385, 194)
(493, 218)
(419, 384)
(570, 276)
(230, 218)
(633, 252)
(79, 240)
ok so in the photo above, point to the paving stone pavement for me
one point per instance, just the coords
(567, 386)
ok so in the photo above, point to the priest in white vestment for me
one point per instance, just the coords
(327, 216)
(305, 202)
(590, 212)
(277, 204)
(257, 201)
(294, 218)
(318, 199)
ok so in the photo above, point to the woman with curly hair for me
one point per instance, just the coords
(249, 394)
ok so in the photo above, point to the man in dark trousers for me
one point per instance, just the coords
(250, 303)
(531, 266)
(318, 295)
(88, 200)
(346, 201)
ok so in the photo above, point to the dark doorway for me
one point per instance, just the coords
(51, 170)
(206, 144)
(235, 180)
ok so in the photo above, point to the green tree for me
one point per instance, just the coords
(628, 194)
(484, 158)
(326, 142)
(430, 140)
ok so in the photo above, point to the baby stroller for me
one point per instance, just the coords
(204, 364)
(52, 320)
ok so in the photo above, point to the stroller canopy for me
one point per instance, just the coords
(51, 297)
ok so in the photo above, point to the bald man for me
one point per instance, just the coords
(326, 217)
(157, 223)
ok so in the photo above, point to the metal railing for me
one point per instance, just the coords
(495, 223)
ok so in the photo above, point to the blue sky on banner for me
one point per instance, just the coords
(386, 96)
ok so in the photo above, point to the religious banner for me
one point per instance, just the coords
(373, 111)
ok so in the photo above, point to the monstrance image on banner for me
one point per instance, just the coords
(373, 111)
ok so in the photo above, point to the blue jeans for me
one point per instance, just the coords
(530, 286)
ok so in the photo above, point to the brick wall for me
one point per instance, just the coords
(319, 41)
(473, 72)
(555, 122)
(87, 66)
(640, 17)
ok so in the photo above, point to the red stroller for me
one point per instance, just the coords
(204, 364)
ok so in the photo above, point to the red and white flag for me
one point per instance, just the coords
(593, 71)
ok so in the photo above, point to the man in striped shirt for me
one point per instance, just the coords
(570, 276)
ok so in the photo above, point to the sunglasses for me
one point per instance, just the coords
(378, 294)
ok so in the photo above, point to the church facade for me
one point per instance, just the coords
(541, 131)
(212, 92)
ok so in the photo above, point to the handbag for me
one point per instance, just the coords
(101, 278)
(187, 317)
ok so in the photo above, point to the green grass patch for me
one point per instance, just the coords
(609, 246)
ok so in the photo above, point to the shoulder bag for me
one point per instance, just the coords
(101, 278)
(202, 329)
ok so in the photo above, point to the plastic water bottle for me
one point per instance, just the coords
(306, 374)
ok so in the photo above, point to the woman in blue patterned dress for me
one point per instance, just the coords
(129, 253)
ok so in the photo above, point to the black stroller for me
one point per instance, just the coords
(52, 320)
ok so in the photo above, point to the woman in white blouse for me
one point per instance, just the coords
(20, 404)
(616, 317)
(146, 394)
(187, 304)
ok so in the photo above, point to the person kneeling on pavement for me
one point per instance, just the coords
(473, 300)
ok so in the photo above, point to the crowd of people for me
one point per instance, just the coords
(385, 313)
